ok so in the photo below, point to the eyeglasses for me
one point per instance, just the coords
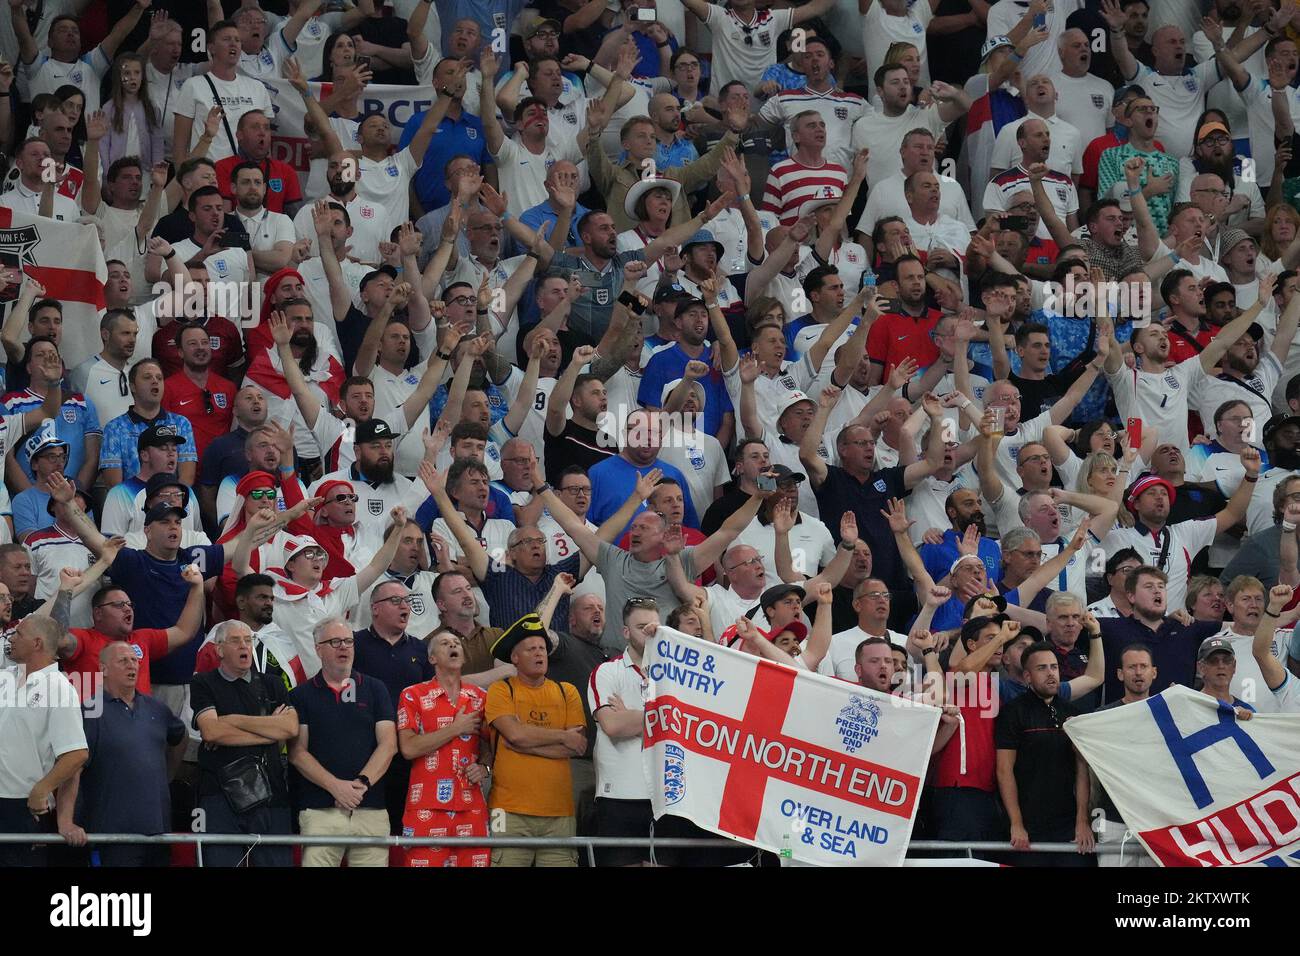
(878, 595)
(337, 642)
(520, 460)
(1031, 459)
(462, 300)
(397, 600)
(1036, 555)
(258, 494)
(340, 498)
(522, 542)
(1152, 110)
(577, 490)
(120, 605)
(755, 560)
(547, 34)
(1217, 139)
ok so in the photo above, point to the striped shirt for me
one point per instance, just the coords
(510, 595)
(840, 110)
(790, 184)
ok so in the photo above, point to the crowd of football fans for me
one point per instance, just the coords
(943, 347)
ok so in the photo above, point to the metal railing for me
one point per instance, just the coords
(588, 843)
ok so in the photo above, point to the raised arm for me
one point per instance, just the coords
(369, 574)
(1049, 570)
(1059, 231)
(191, 619)
(1234, 513)
(1262, 646)
(1113, 14)
(914, 473)
(808, 456)
(1227, 336)
(899, 525)
(1064, 406)
(711, 548)
(557, 403)
(1095, 673)
(475, 553)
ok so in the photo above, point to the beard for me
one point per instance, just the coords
(1239, 364)
(302, 338)
(1287, 458)
(380, 471)
(977, 520)
(339, 188)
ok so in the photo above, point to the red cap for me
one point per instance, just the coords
(797, 628)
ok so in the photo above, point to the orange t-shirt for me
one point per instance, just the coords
(525, 783)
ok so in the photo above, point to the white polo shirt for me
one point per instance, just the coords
(40, 721)
(22, 199)
(841, 660)
(1185, 540)
(620, 770)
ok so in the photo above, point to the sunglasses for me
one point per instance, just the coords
(342, 498)
(259, 494)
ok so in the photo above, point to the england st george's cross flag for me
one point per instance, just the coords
(782, 758)
(1195, 784)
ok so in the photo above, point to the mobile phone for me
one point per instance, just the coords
(363, 63)
(1040, 21)
(1134, 428)
(1015, 223)
(647, 14)
(767, 482)
(868, 279)
(235, 240)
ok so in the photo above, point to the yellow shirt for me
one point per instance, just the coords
(526, 783)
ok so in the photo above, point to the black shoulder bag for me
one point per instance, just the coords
(244, 781)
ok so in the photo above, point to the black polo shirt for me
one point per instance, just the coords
(841, 492)
(1173, 649)
(1045, 763)
(124, 784)
(1073, 662)
(257, 696)
(341, 734)
(723, 507)
(396, 666)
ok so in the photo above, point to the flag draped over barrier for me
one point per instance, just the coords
(1198, 786)
(67, 259)
(781, 758)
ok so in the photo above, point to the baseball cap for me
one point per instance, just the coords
(1125, 92)
(786, 473)
(166, 480)
(157, 436)
(695, 387)
(533, 28)
(158, 512)
(670, 293)
(384, 270)
(373, 429)
(1146, 482)
(689, 302)
(1279, 421)
(798, 628)
(791, 399)
(1211, 126)
(1213, 645)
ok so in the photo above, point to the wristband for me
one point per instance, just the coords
(445, 356)
(1016, 57)
(286, 469)
(845, 546)
(532, 255)
(541, 489)
(929, 650)
(170, 255)
(966, 403)
(364, 779)
(1176, 257)
(663, 45)
(1251, 478)
(1269, 612)
(1287, 526)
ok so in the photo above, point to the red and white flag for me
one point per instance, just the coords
(781, 758)
(1196, 784)
(67, 259)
